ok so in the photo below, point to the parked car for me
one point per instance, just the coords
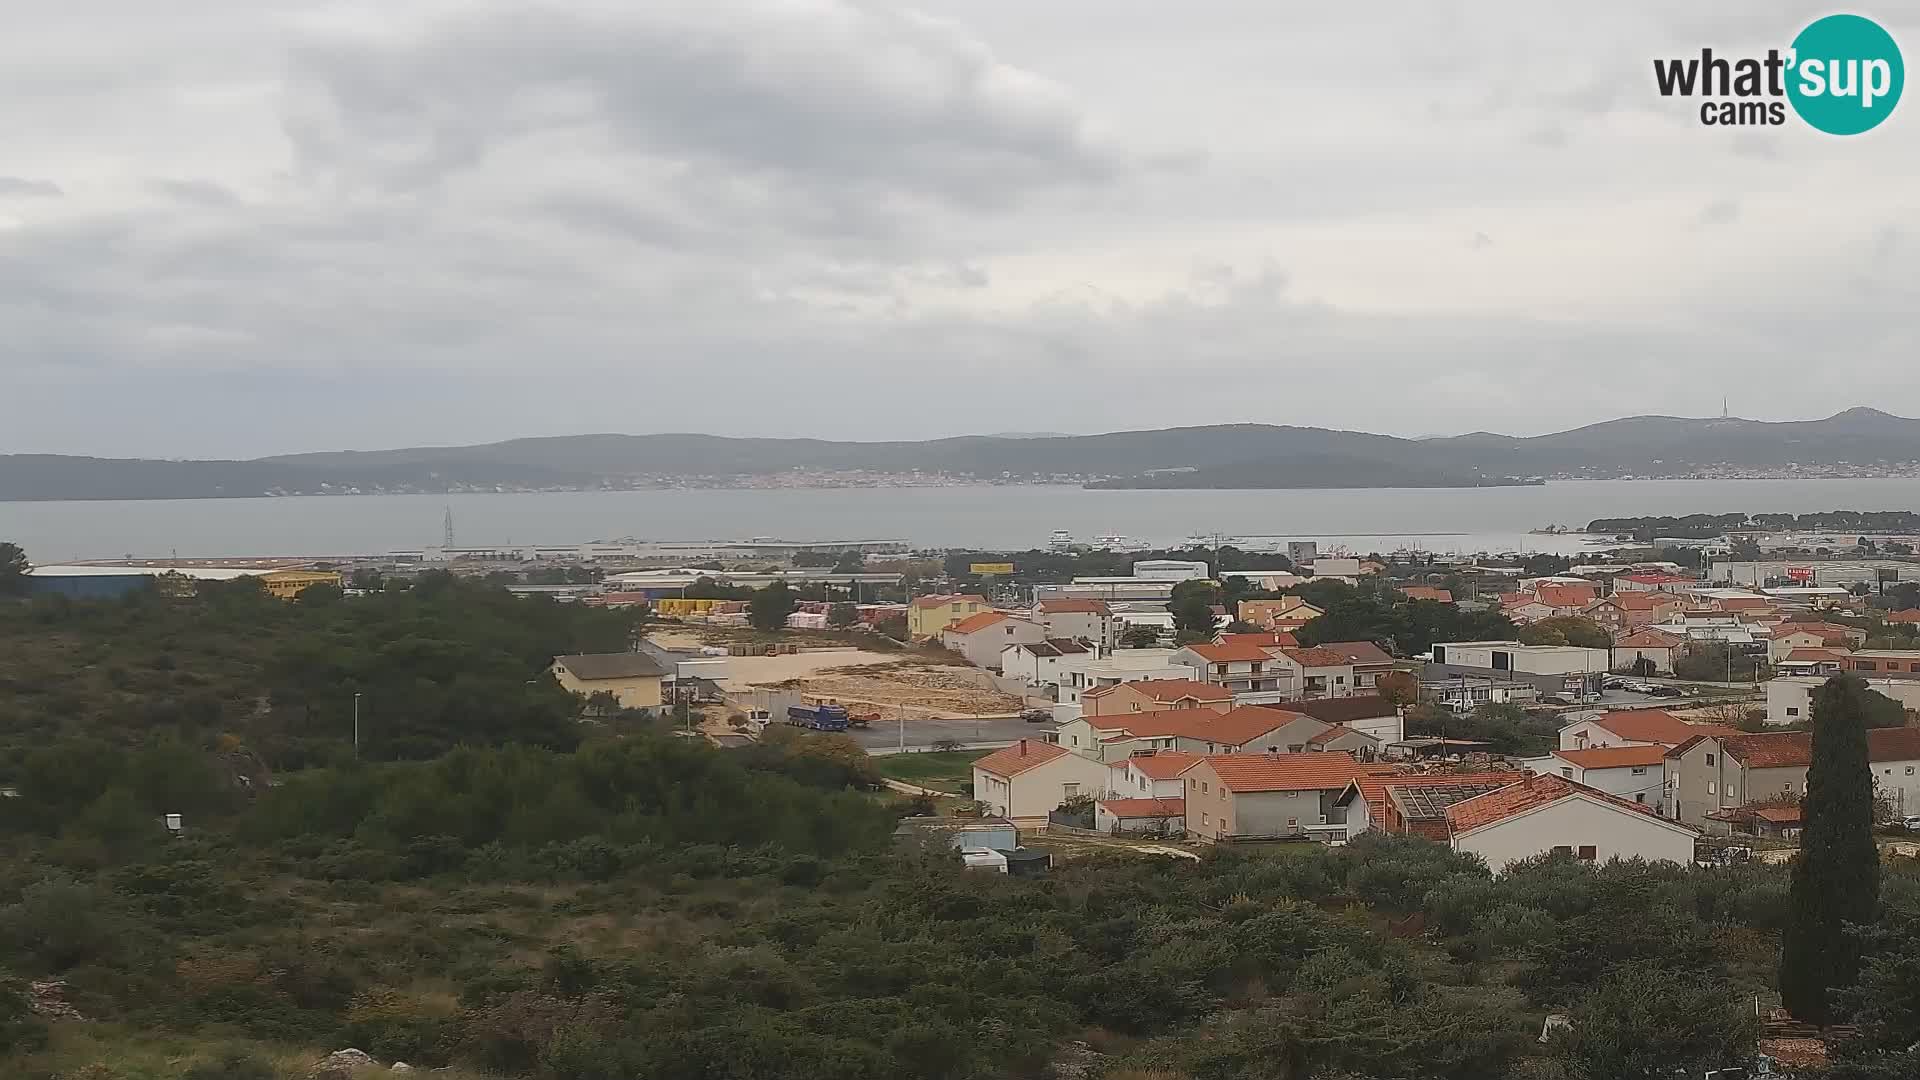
(1036, 716)
(1911, 822)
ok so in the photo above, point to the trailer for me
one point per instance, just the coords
(827, 717)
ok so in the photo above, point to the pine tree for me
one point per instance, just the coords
(1836, 879)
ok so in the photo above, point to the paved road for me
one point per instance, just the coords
(884, 736)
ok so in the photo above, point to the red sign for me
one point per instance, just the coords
(1800, 573)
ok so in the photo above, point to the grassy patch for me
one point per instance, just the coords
(950, 770)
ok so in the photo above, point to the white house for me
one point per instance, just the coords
(1548, 812)
(1894, 756)
(1656, 647)
(1152, 817)
(980, 638)
(1240, 667)
(1070, 619)
(1634, 727)
(1085, 673)
(1150, 774)
(1635, 773)
(1030, 779)
(1526, 659)
(1041, 663)
(1250, 729)
(1790, 697)
(1369, 714)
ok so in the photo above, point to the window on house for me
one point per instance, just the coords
(1793, 711)
(1567, 772)
(1069, 790)
(1562, 849)
(1638, 770)
(1203, 787)
(1863, 665)
(1204, 820)
(1223, 794)
(1588, 853)
(1640, 797)
(1709, 761)
(1293, 823)
(1711, 789)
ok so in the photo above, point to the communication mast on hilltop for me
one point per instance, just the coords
(447, 539)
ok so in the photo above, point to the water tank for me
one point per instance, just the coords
(981, 859)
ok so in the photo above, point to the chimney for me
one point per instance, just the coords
(1023, 748)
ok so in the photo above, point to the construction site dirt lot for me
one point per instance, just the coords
(906, 689)
(914, 685)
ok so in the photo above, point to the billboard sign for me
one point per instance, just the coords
(1800, 573)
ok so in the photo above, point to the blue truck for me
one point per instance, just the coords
(818, 717)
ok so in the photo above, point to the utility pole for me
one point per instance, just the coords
(356, 723)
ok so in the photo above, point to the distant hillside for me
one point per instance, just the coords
(1223, 456)
(1307, 471)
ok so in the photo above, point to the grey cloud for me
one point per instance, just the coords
(200, 192)
(821, 93)
(20, 187)
(538, 220)
(1719, 212)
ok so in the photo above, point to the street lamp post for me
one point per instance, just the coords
(356, 723)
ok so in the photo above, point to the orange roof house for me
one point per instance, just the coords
(1150, 695)
(1266, 795)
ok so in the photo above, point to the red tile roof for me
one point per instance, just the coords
(1893, 744)
(1426, 592)
(1168, 690)
(1232, 728)
(1772, 750)
(1910, 615)
(1358, 652)
(1335, 732)
(1249, 773)
(1066, 606)
(1656, 726)
(1144, 808)
(1566, 596)
(1637, 600)
(1374, 785)
(1317, 657)
(1812, 655)
(1160, 764)
(1026, 754)
(975, 623)
(1228, 654)
(1614, 757)
(1535, 791)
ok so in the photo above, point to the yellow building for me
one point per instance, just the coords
(632, 678)
(286, 584)
(928, 615)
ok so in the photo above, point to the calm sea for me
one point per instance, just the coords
(1014, 518)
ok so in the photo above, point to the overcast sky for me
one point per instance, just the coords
(239, 227)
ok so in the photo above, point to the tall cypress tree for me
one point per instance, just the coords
(1836, 879)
